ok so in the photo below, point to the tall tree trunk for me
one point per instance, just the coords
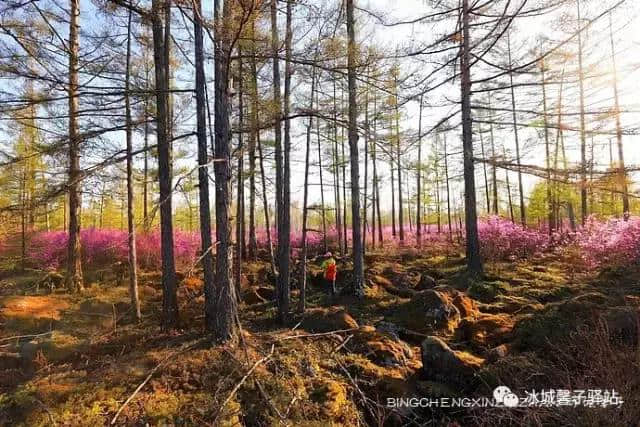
(622, 172)
(474, 262)
(222, 313)
(101, 218)
(523, 216)
(169, 294)
(366, 168)
(282, 287)
(408, 192)
(376, 181)
(73, 279)
(133, 263)
(145, 177)
(583, 136)
(343, 164)
(237, 266)
(64, 214)
(167, 76)
(550, 214)
(436, 168)
(265, 203)
(393, 195)
(494, 159)
(255, 125)
(506, 174)
(446, 177)
(303, 273)
(203, 168)
(559, 138)
(23, 219)
(398, 158)
(358, 254)
(419, 179)
(254, 76)
(336, 171)
(322, 205)
(484, 168)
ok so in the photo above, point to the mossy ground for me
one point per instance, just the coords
(96, 354)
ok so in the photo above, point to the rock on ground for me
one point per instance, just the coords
(327, 320)
(441, 363)
(431, 310)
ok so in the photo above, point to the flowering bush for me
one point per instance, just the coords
(610, 244)
(613, 243)
(102, 247)
(502, 239)
(48, 249)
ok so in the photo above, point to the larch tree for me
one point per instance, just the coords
(73, 277)
(357, 253)
(131, 228)
(222, 311)
(203, 168)
(169, 285)
(474, 261)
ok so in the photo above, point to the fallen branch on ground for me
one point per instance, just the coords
(242, 381)
(146, 380)
(321, 334)
(25, 336)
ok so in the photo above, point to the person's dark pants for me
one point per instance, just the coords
(331, 285)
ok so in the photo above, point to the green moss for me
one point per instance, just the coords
(538, 331)
(486, 291)
(162, 406)
(549, 294)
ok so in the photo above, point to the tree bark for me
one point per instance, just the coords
(393, 195)
(446, 178)
(506, 174)
(523, 216)
(169, 295)
(376, 181)
(419, 179)
(203, 161)
(253, 243)
(366, 168)
(322, 205)
(303, 273)
(265, 203)
(221, 313)
(583, 137)
(282, 257)
(336, 171)
(436, 168)
(494, 169)
(622, 172)
(484, 168)
(474, 262)
(550, 213)
(145, 175)
(133, 264)
(398, 158)
(73, 279)
(240, 186)
(358, 255)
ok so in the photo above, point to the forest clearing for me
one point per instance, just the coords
(312, 213)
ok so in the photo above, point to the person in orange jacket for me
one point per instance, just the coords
(330, 272)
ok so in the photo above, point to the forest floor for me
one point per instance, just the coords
(74, 359)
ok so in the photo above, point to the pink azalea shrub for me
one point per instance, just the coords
(501, 239)
(48, 250)
(610, 244)
(101, 247)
